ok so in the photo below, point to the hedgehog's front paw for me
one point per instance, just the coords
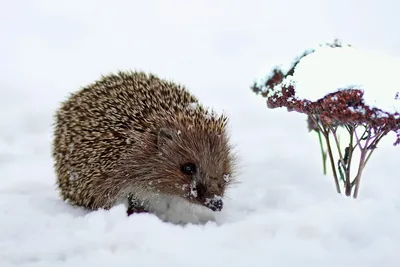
(134, 206)
(132, 210)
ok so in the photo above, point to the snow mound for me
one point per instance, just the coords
(329, 69)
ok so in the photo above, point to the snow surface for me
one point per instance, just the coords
(329, 69)
(283, 211)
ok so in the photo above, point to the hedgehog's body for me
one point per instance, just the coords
(136, 136)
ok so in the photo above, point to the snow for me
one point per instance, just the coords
(227, 178)
(193, 106)
(281, 211)
(329, 69)
(193, 190)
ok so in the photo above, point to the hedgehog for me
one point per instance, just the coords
(135, 138)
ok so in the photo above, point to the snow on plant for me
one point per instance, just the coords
(340, 88)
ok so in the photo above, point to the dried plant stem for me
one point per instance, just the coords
(325, 132)
(341, 162)
(338, 145)
(367, 143)
(349, 158)
(357, 179)
(323, 152)
(374, 144)
(344, 161)
(328, 144)
(358, 140)
(365, 156)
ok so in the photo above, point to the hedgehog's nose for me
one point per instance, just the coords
(215, 204)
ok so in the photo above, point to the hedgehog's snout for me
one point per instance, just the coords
(215, 204)
(211, 201)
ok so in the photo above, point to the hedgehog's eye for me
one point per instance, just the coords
(189, 168)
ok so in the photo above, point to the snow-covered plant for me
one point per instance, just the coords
(341, 90)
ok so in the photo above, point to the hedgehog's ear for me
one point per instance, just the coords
(164, 134)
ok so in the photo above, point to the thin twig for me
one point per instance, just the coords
(338, 148)
(349, 158)
(361, 166)
(359, 139)
(374, 144)
(326, 135)
(357, 179)
(323, 153)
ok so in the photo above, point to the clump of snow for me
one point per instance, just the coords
(73, 176)
(209, 113)
(329, 69)
(172, 209)
(227, 177)
(193, 190)
(192, 106)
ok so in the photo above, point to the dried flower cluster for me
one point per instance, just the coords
(343, 108)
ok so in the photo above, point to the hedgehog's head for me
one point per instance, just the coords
(191, 159)
(197, 162)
